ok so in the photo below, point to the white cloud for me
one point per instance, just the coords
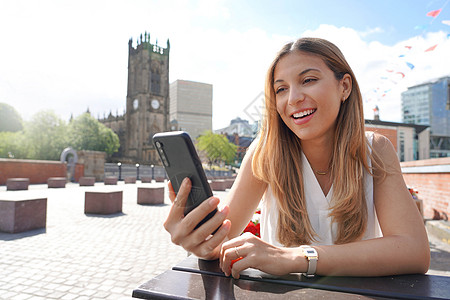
(62, 56)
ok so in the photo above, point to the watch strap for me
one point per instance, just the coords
(311, 255)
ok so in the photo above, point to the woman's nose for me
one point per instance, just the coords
(295, 96)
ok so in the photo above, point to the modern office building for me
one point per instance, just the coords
(429, 104)
(411, 141)
(191, 106)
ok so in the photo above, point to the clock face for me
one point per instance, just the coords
(135, 103)
(155, 104)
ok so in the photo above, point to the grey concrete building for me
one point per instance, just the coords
(429, 104)
(191, 106)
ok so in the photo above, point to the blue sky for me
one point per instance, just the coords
(70, 55)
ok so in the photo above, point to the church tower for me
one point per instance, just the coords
(147, 110)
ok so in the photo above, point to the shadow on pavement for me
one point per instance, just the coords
(15, 236)
(106, 216)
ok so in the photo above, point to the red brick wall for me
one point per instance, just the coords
(433, 188)
(38, 171)
(391, 134)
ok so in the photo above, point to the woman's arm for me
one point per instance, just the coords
(244, 196)
(402, 249)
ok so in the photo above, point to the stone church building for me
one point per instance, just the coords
(147, 103)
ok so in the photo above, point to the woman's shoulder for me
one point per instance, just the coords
(385, 151)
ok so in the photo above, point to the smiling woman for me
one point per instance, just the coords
(332, 197)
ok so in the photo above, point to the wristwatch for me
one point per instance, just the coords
(311, 255)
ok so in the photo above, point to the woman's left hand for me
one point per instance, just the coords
(255, 253)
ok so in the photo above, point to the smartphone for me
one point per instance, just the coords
(180, 160)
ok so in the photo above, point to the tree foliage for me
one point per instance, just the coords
(87, 133)
(47, 135)
(216, 147)
(10, 119)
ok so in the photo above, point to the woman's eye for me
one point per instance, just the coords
(308, 80)
(279, 90)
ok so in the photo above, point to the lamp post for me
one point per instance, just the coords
(137, 171)
(153, 172)
(119, 164)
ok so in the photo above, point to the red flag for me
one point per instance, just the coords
(409, 47)
(434, 13)
(431, 48)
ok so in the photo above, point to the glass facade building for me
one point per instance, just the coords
(429, 104)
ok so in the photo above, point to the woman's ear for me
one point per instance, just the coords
(346, 83)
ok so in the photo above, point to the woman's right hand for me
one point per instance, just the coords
(182, 228)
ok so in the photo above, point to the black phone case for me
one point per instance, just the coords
(181, 161)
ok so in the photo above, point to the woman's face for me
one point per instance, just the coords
(308, 96)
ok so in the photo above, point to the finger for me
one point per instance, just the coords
(172, 194)
(201, 234)
(191, 220)
(176, 212)
(183, 193)
(209, 246)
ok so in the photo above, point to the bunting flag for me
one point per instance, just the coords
(446, 22)
(410, 65)
(408, 47)
(431, 48)
(434, 13)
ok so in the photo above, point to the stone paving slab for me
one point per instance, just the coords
(82, 256)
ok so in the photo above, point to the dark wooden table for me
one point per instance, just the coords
(198, 279)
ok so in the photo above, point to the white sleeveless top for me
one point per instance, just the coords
(318, 207)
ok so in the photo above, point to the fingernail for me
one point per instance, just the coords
(213, 201)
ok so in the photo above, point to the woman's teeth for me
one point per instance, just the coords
(303, 113)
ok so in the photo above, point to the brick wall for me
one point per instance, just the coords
(391, 134)
(433, 187)
(38, 171)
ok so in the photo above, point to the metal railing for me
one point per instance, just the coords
(139, 171)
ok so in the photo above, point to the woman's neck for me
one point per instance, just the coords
(319, 154)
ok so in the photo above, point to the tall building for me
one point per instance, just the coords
(429, 104)
(147, 102)
(191, 106)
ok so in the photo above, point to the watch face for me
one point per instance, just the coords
(135, 103)
(155, 104)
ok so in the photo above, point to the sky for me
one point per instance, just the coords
(68, 56)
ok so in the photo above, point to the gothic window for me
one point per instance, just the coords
(156, 83)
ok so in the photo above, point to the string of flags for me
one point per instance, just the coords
(401, 69)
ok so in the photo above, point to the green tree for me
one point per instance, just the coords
(87, 133)
(216, 147)
(45, 136)
(10, 119)
(13, 145)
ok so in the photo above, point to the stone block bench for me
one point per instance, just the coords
(160, 179)
(150, 195)
(87, 181)
(16, 184)
(146, 179)
(130, 180)
(56, 182)
(24, 214)
(218, 185)
(111, 180)
(103, 203)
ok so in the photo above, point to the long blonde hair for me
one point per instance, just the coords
(277, 157)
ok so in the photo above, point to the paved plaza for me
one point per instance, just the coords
(81, 256)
